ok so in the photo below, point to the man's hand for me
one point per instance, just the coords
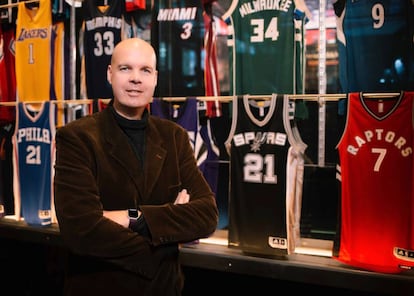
(121, 217)
(182, 198)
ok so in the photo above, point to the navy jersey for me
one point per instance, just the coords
(264, 153)
(177, 34)
(34, 149)
(375, 45)
(101, 30)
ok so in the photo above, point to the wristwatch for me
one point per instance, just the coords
(133, 214)
(133, 219)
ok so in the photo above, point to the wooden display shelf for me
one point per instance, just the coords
(213, 254)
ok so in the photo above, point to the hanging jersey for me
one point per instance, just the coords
(34, 52)
(376, 173)
(59, 70)
(78, 110)
(177, 34)
(300, 19)
(262, 149)
(102, 104)
(60, 10)
(376, 38)
(210, 165)
(295, 172)
(261, 46)
(34, 150)
(10, 58)
(186, 114)
(132, 5)
(7, 113)
(208, 142)
(6, 170)
(339, 9)
(7, 75)
(300, 15)
(101, 30)
(3, 70)
(211, 78)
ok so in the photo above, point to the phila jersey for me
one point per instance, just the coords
(177, 34)
(376, 175)
(376, 44)
(34, 154)
(262, 147)
(34, 52)
(262, 46)
(102, 29)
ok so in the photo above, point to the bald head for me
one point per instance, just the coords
(133, 76)
(136, 45)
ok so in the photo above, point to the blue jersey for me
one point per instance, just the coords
(33, 143)
(375, 44)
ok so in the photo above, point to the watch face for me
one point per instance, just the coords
(133, 213)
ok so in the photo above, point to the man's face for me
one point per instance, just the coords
(133, 76)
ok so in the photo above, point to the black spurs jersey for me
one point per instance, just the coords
(263, 150)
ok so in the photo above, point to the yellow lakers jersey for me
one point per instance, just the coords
(34, 52)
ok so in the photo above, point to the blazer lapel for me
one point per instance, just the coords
(154, 156)
(120, 149)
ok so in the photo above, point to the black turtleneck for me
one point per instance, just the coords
(135, 130)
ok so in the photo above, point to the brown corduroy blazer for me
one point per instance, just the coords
(96, 169)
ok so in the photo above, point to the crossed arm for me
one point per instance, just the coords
(121, 216)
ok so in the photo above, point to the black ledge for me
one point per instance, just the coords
(308, 269)
(301, 268)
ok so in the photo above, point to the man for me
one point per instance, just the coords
(128, 189)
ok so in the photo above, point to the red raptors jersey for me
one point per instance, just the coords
(376, 174)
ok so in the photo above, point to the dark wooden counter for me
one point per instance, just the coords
(299, 268)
